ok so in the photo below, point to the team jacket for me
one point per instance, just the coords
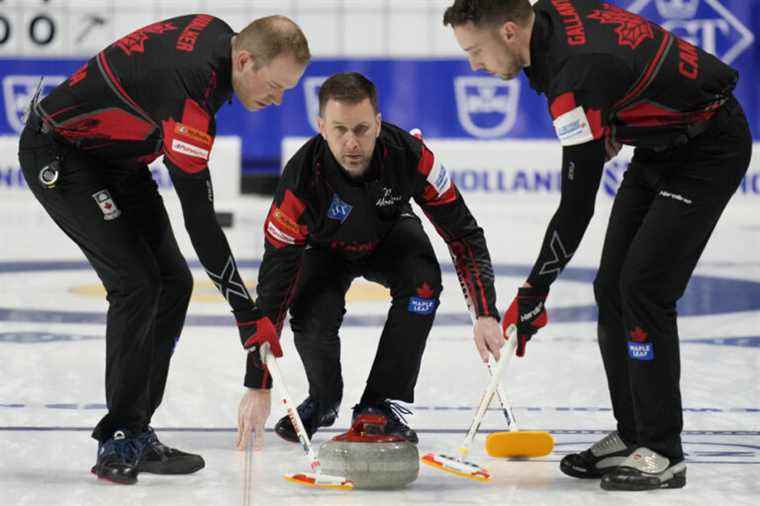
(606, 71)
(154, 93)
(609, 73)
(317, 205)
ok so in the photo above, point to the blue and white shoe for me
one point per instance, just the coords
(119, 458)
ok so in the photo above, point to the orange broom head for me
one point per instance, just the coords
(519, 444)
(456, 466)
(320, 481)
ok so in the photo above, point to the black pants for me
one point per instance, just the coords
(135, 254)
(664, 213)
(406, 264)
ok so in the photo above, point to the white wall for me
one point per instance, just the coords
(528, 172)
(362, 28)
(224, 166)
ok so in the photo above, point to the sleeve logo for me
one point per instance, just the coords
(284, 221)
(193, 134)
(573, 127)
(278, 234)
(188, 149)
(439, 178)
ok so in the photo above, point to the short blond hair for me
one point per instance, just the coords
(272, 36)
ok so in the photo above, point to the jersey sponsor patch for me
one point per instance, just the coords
(285, 222)
(439, 177)
(338, 210)
(281, 226)
(193, 134)
(186, 144)
(421, 305)
(279, 235)
(188, 149)
(573, 127)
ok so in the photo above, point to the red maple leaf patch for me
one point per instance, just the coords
(425, 291)
(639, 335)
(632, 29)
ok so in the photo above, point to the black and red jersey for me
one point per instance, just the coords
(318, 205)
(609, 72)
(153, 92)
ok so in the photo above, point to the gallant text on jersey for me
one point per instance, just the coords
(576, 34)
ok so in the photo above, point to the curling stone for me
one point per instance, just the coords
(370, 458)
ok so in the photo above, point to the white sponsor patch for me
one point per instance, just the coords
(189, 150)
(279, 234)
(439, 177)
(573, 128)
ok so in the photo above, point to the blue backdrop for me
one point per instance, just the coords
(442, 96)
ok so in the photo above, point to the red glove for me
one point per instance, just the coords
(528, 313)
(256, 330)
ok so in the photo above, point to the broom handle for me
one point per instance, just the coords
(274, 369)
(505, 407)
(506, 355)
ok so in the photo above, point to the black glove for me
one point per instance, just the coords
(528, 313)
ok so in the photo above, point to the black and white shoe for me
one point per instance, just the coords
(160, 459)
(645, 469)
(314, 414)
(603, 456)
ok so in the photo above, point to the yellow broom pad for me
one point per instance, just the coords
(519, 444)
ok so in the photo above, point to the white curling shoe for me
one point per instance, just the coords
(645, 469)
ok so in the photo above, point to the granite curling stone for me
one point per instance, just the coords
(370, 458)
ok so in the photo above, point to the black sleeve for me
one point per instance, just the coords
(442, 203)
(197, 198)
(582, 167)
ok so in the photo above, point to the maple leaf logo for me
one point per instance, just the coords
(135, 41)
(639, 335)
(632, 29)
(425, 291)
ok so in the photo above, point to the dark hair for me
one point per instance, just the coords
(350, 87)
(487, 12)
(269, 37)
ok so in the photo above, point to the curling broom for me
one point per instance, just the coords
(457, 465)
(515, 443)
(316, 478)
